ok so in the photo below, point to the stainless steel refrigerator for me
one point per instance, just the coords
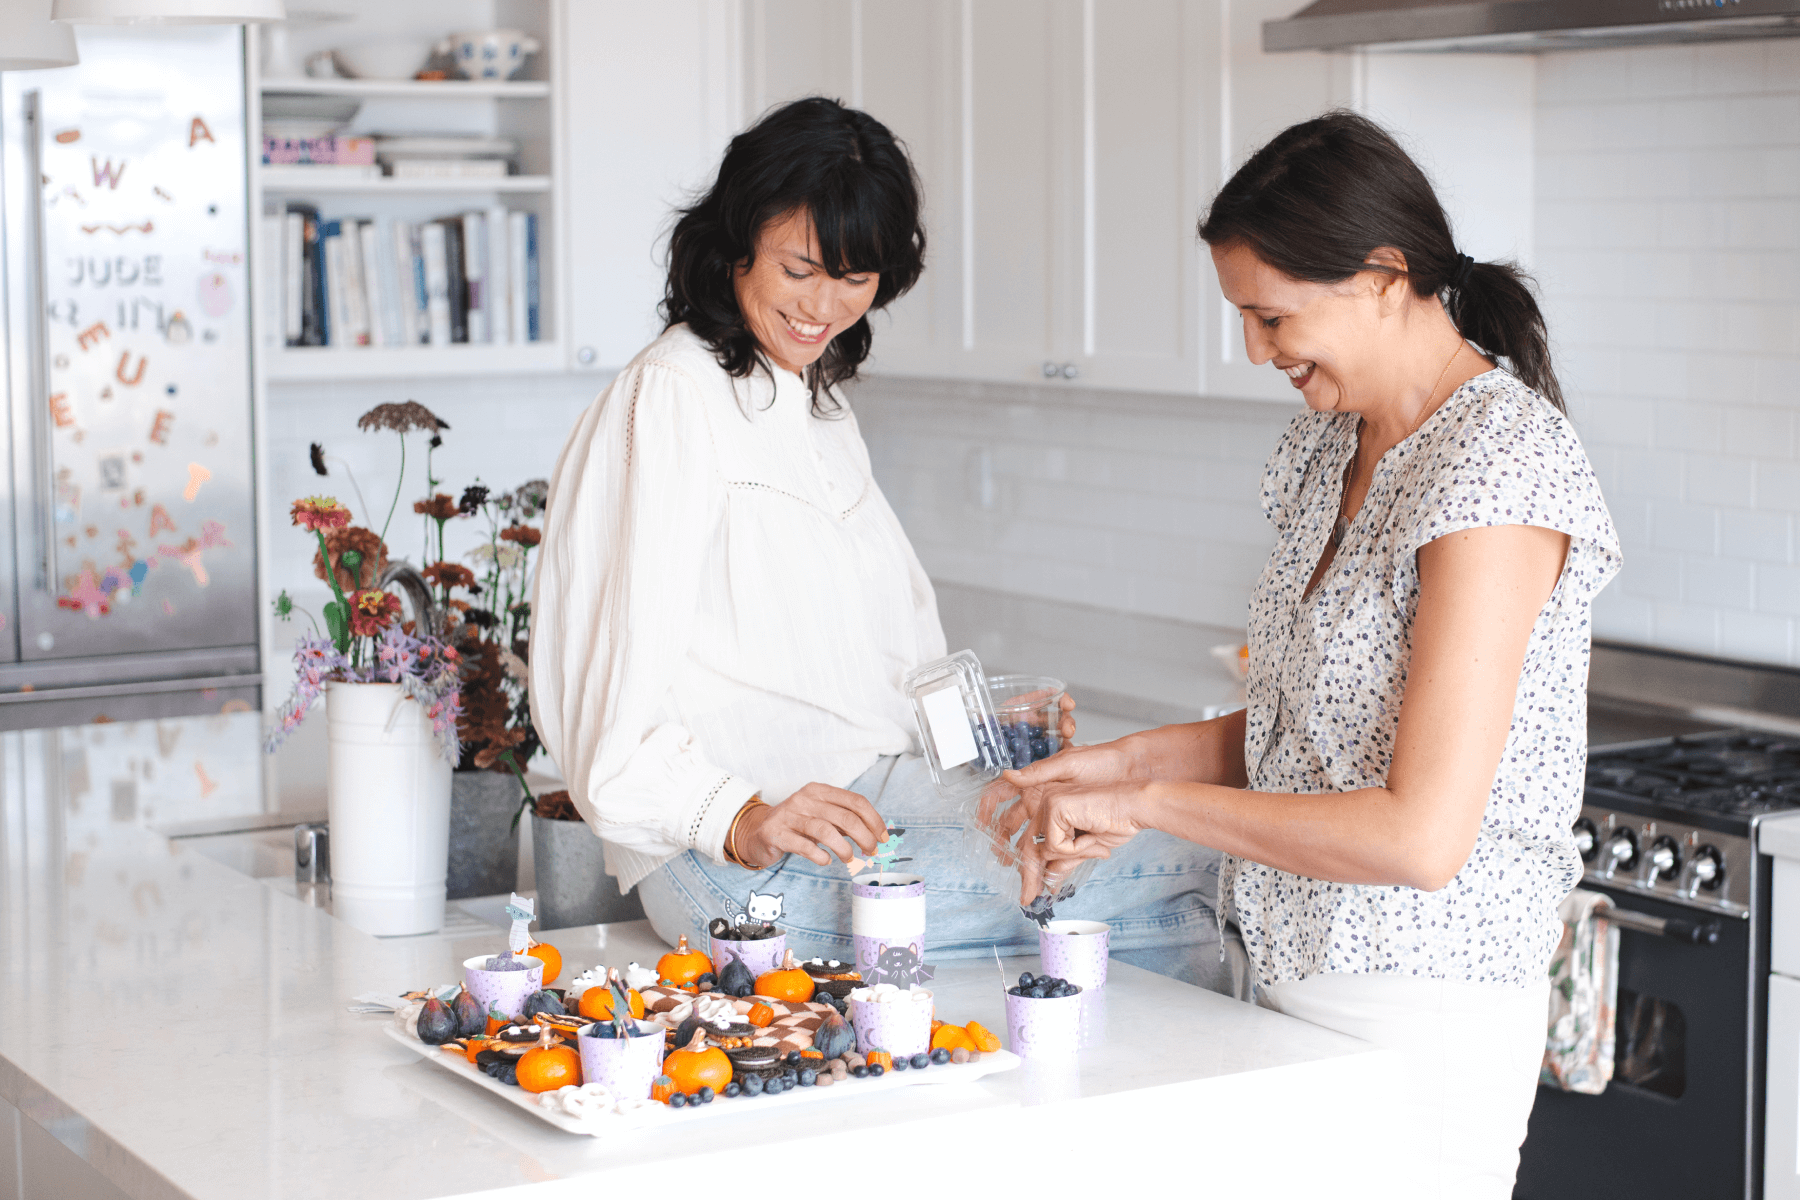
(130, 552)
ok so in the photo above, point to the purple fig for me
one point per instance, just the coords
(470, 1020)
(437, 1024)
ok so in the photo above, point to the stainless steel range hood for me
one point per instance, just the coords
(1525, 26)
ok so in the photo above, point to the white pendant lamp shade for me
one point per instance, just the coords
(29, 39)
(168, 12)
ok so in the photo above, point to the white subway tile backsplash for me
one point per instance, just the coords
(1764, 537)
(1689, 528)
(1778, 590)
(1687, 627)
(1718, 582)
(1649, 474)
(1750, 432)
(1756, 636)
(1716, 479)
(1652, 574)
(1624, 617)
(1778, 485)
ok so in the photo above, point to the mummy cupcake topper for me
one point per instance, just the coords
(523, 912)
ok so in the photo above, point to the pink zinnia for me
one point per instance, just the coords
(320, 512)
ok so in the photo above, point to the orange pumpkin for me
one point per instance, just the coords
(475, 1046)
(549, 1064)
(880, 1058)
(984, 1040)
(760, 1015)
(661, 1088)
(953, 1037)
(681, 966)
(547, 954)
(787, 982)
(698, 1066)
(597, 1004)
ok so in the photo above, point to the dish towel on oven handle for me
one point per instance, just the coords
(1584, 996)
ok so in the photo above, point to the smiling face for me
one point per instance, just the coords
(790, 302)
(1328, 338)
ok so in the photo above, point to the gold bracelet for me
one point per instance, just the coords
(731, 851)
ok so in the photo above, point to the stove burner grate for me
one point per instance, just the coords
(1744, 773)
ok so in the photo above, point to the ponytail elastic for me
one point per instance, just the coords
(1459, 274)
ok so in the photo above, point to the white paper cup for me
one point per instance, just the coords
(504, 990)
(1038, 1028)
(1076, 951)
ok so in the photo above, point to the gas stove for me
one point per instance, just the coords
(1675, 818)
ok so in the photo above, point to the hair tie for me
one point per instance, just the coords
(1459, 274)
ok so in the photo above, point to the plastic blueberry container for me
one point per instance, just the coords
(1028, 709)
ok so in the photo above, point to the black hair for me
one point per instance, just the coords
(845, 169)
(1323, 194)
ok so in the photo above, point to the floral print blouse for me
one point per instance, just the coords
(1327, 674)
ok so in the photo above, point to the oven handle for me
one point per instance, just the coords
(1696, 933)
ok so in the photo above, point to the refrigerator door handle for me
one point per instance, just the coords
(37, 399)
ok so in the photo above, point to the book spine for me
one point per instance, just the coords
(313, 309)
(516, 249)
(412, 263)
(357, 309)
(435, 276)
(293, 278)
(499, 291)
(337, 320)
(475, 274)
(455, 272)
(378, 266)
(531, 277)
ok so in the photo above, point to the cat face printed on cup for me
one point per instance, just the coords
(763, 908)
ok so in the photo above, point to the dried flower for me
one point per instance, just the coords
(528, 498)
(401, 418)
(525, 535)
(319, 512)
(449, 575)
(317, 453)
(439, 508)
(372, 611)
(481, 618)
(473, 497)
(354, 540)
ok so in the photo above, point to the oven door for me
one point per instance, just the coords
(1675, 1119)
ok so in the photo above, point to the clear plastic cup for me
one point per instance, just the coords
(1028, 709)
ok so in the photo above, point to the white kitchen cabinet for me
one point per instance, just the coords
(651, 96)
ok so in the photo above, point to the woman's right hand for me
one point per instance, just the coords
(1012, 801)
(814, 819)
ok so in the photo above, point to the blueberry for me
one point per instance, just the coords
(859, 1072)
(706, 1095)
(706, 979)
(808, 1077)
(878, 1070)
(940, 1056)
(753, 1085)
(900, 1062)
(919, 1062)
(678, 1101)
(793, 1056)
(1025, 979)
(732, 1089)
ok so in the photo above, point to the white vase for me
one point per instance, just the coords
(389, 797)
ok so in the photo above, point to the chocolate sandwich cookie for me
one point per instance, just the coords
(830, 975)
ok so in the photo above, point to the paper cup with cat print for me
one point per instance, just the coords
(887, 914)
(761, 955)
(505, 991)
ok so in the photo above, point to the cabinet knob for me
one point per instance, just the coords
(585, 356)
(1051, 370)
(1070, 371)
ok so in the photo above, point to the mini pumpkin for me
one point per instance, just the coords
(547, 954)
(597, 1004)
(682, 966)
(661, 1088)
(788, 982)
(760, 1015)
(882, 1059)
(697, 1066)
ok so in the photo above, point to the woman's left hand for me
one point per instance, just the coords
(1073, 821)
(1067, 727)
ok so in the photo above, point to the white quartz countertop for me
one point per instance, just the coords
(183, 1029)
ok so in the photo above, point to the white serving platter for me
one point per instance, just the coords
(724, 1106)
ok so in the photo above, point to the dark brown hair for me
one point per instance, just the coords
(1323, 194)
(845, 169)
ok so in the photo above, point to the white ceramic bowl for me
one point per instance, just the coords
(489, 54)
(384, 58)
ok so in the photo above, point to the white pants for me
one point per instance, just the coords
(1469, 1055)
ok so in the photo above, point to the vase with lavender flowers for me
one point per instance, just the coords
(392, 692)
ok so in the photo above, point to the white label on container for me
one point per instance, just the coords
(948, 723)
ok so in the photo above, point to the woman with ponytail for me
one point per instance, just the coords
(1395, 803)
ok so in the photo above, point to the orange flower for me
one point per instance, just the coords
(449, 574)
(439, 508)
(365, 542)
(525, 535)
(372, 611)
(320, 512)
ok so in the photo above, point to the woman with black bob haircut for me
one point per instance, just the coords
(726, 606)
(1396, 801)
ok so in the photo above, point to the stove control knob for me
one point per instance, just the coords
(1587, 839)
(1705, 870)
(1621, 853)
(1660, 863)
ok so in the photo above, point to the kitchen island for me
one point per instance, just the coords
(170, 1028)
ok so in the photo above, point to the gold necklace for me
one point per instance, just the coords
(1342, 525)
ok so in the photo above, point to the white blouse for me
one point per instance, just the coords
(1328, 672)
(725, 605)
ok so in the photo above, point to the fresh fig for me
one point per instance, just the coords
(470, 1020)
(737, 979)
(542, 1001)
(833, 1037)
(437, 1024)
(684, 1033)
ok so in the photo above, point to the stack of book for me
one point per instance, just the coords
(471, 278)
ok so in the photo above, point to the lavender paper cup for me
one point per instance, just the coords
(503, 990)
(761, 956)
(901, 1027)
(884, 916)
(1043, 1028)
(626, 1067)
(1076, 951)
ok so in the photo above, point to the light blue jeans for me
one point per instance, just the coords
(1159, 893)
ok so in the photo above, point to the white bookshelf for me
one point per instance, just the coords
(417, 89)
(316, 364)
(298, 182)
